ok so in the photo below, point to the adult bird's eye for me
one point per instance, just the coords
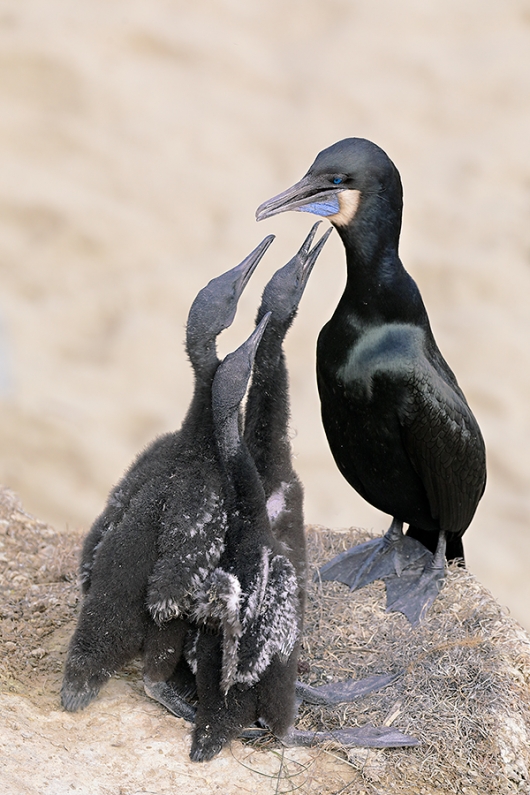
(337, 180)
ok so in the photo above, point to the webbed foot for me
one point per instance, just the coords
(376, 559)
(414, 592)
(342, 692)
(361, 736)
(168, 696)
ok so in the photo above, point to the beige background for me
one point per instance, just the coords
(137, 138)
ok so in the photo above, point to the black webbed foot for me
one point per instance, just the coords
(361, 736)
(205, 746)
(78, 696)
(346, 567)
(168, 696)
(377, 559)
(414, 592)
(342, 692)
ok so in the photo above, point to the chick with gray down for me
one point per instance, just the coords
(173, 489)
(247, 649)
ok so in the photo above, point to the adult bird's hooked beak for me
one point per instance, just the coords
(306, 197)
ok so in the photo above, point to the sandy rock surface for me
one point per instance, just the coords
(125, 746)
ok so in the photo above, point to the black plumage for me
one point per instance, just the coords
(398, 424)
(173, 489)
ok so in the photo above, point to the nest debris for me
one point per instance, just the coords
(464, 691)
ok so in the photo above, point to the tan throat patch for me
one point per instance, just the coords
(349, 204)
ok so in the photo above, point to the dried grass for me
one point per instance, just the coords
(464, 692)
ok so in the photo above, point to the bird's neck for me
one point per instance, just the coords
(378, 288)
(204, 361)
(228, 437)
(269, 352)
(203, 358)
(267, 409)
(243, 484)
(198, 423)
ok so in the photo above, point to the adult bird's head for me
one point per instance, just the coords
(284, 290)
(214, 308)
(354, 178)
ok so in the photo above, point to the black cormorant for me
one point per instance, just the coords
(398, 424)
(174, 490)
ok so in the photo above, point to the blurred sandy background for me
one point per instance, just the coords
(137, 137)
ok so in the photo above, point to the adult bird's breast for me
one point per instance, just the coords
(391, 350)
(369, 396)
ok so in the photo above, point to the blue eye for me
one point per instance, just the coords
(337, 180)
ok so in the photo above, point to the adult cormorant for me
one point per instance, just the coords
(398, 424)
(174, 487)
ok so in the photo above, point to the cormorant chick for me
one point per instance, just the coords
(173, 489)
(246, 671)
(259, 574)
(398, 424)
(253, 597)
(267, 407)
